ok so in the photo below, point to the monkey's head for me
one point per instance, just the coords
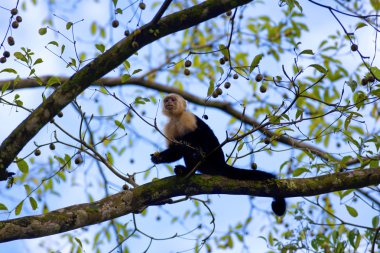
(174, 105)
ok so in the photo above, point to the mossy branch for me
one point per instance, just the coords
(160, 192)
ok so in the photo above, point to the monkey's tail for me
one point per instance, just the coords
(278, 204)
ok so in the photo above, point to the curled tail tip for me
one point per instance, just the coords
(279, 206)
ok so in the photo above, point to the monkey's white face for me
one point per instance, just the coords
(170, 103)
(174, 105)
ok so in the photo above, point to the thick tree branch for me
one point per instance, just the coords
(160, 191)
(100, 66)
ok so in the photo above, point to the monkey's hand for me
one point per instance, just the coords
(156, 158)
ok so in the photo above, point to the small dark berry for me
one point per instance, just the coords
(371, 78)
(78, 160)
(52, 146)
(115, 23)
(60, 114)
(11, 40)
(14, 11)
(229, 13)
(125, 187)
(37, 152)
(132, 161)
(219, 91)
(227, 85)
(142, 6)
(3, 59)
(254, 166)
(188, 63)
(186, 72)
(126, 33)
(6, 54)
(19, 19)
(354, 47)
(214, 94)
(14, 24)
(205, 116)
(222, 61)
(263, 89)
(235, 76)
(259, 77)
(266, 141)
(364, 81)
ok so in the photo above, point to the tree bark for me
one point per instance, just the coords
(160, 192)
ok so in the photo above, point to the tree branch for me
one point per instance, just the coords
(160, 192)
(100, 66)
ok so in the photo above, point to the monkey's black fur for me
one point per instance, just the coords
(197, 145)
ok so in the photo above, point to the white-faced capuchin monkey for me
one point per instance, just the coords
(194, 142)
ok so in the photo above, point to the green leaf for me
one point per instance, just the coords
(55, 43)
(307, 51)
(352, 84)
(19, 208)
(319, 68)
(53, 80)
(5, 86)
(298, 5)
(376, 72)
(42, 31)
(68, 161)
(38, 61)
(69, 25)
(93, 28)
(27, 189)
(9, 70)
(210, 88)
(347, 121)
(224, 50)
(375, 221)
(375, 4)
(299, 113)
(255, 62)
(241, 145)
(79, 242)
(100, 47)
(3, 207)
(136, 71)
(22, 165)
(360, 25)
(119, 124)
(125, 78)
(297, 172)
(33, 203)
(352, 211)
(20, 57)
(63, 49)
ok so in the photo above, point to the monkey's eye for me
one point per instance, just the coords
(169, 99)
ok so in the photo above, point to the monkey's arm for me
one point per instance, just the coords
(172, 154)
